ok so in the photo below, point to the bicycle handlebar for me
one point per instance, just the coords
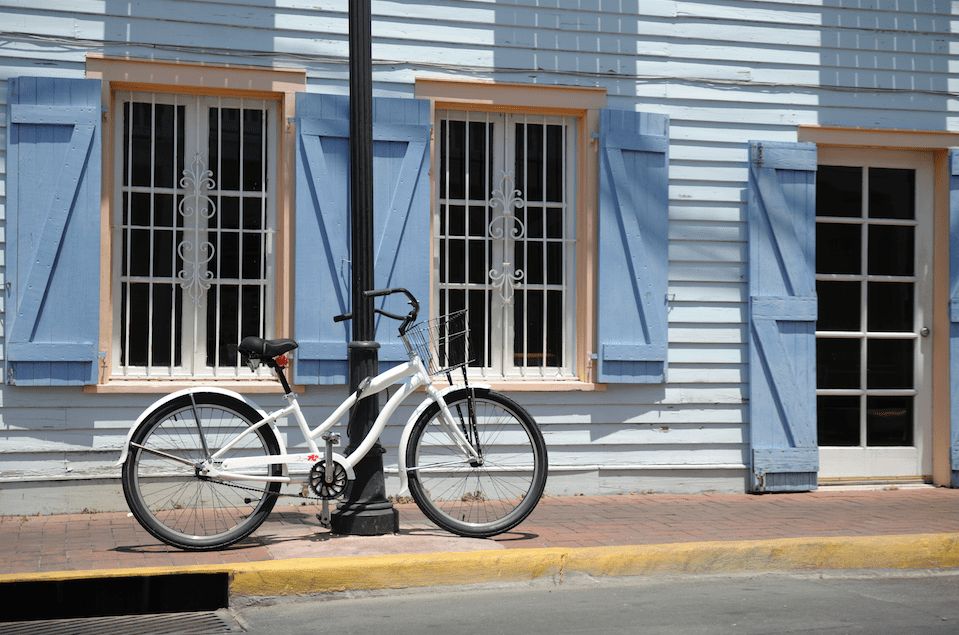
(407, 319)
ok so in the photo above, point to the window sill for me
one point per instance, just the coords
(158, 386)
(540, 385)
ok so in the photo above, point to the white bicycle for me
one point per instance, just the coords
(203, 467)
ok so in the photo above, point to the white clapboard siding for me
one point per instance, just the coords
(725, 73)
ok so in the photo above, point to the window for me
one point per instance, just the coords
(193, 247)
(505, 238)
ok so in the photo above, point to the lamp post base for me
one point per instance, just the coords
(374, 519)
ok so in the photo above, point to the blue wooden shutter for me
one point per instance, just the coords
(954, 310)
(401, 133)
(633, 259)
(782, 287)
(53, 231)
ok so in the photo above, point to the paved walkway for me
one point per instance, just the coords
(107, 542)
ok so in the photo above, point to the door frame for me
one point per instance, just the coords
(938, 144)
(908, 461)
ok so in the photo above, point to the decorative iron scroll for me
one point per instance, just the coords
(506, 227)
(196, 205)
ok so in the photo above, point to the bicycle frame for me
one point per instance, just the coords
(412, 374)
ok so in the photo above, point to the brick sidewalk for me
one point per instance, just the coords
(115, 541)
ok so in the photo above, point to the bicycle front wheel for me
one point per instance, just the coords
(168, 495)
(477, 498)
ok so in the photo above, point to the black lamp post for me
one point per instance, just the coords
(366, 512)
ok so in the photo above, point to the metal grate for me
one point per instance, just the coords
(192, 623)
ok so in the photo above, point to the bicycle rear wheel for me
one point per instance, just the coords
(171, 499)
(477, 498)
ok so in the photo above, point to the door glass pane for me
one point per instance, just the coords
(889, 364)
(839, 305)
(892, 193)
(839, 191)
(891, 250)
(838, 420)
(838, 248)
(889, 421)
(838, 363)
(891, 307)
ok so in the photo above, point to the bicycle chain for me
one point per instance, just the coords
(264, 493)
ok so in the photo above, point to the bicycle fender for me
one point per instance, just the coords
(197, 390)
(408, 430)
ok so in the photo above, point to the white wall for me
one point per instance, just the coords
(725, 73)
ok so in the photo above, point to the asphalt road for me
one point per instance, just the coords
(834, 603)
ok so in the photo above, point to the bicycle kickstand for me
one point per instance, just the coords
(330, 439)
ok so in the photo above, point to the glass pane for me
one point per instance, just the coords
(139, 253)
(839, 191)
(222, 337)
(555, 318)
(889, 421)
(554, 163)
(456, 224)
(455, 160)
(138, 323)
(839, 305)
(891, 307)
(140, 145)
(534, 263)
(478, 157)
(168, 146)
(838, 363)
(225, 147)
(226, 255)
(554, 263)
(163, 254)
(534, 222)
(555, 227)
(254, 163)
(252, 260)
(889, 364)
(140, 209)
(478, 269)
(837, 420)
(891, 250)
(163, 298)
(529, 340)
(892, 193)
(477, 221)
(838, 248)
(251, 320)
(456, 260)
(530, 161)
(253, 213)
(479, 316)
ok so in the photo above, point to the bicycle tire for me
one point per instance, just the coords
(471, 500)
(171, 500)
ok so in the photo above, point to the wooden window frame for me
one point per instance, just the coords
(584, 104)
(277, 85)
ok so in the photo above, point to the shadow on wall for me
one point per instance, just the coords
(870, 56)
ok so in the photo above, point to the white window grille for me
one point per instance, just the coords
(194, 227)
(505, 238)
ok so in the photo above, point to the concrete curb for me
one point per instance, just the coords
(327, 575)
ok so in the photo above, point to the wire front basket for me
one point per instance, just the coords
(442, 343)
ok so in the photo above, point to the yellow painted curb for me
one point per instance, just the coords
(325, 575)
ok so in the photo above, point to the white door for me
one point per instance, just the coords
(874, 219)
